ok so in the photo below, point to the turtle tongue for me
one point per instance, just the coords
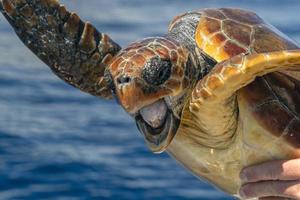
(155, 113)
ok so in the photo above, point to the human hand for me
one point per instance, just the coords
(274, 180)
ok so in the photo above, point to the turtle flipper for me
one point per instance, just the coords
(74, 50)
(213, 100)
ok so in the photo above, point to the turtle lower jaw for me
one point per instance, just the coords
(159, 138)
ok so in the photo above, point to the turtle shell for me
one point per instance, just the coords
(224, 33)
(273, 99)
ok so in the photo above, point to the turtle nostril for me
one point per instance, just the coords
(123, 79)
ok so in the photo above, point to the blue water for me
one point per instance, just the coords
(58, 143)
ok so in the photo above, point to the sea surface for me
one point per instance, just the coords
(59, 143)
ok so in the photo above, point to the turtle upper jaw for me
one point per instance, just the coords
(158, 128)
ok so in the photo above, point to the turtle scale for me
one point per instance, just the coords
(245, 17)
(238, 32)
(269, 100)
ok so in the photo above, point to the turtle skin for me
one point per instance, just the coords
(228, 81)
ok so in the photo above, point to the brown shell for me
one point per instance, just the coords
(274, 99)
(224, 33)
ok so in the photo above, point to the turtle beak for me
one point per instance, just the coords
(158, 125)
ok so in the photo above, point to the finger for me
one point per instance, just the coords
(274, 198)
(287, 189)
(273, 170)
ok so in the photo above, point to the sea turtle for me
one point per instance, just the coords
(220, 91)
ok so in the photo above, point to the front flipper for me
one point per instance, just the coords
(75, 51)
(213, 100)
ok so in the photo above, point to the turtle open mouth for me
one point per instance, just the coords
(158, 125)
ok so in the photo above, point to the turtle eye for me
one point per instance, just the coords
(157, 71)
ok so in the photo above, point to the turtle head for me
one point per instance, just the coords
(149, 80)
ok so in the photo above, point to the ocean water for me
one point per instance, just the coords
(59, 143)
